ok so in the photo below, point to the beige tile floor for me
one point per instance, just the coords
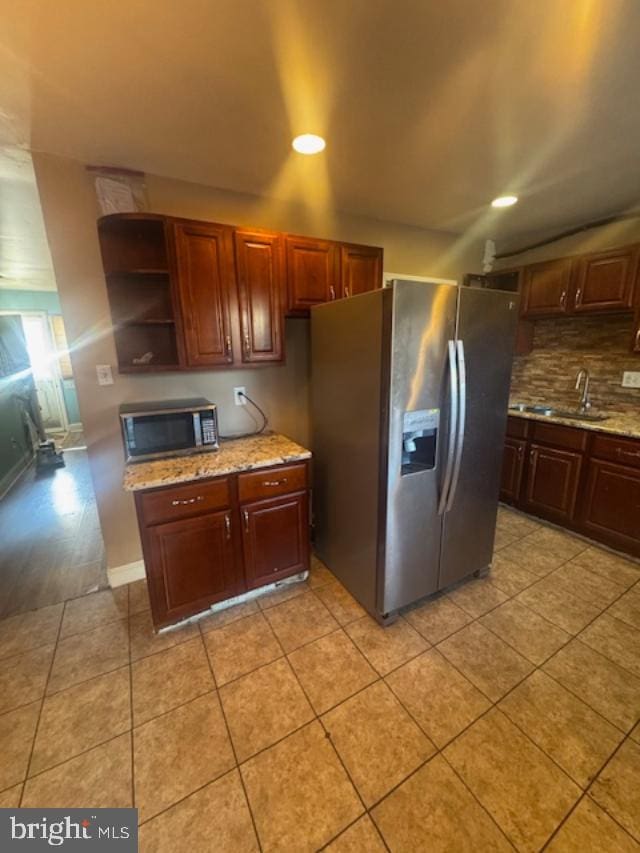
(502, 715)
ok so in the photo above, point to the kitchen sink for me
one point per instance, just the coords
(551, 412)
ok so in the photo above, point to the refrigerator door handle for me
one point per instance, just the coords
(453, 427)
(462, 415)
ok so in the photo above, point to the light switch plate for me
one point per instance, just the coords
(631, 379)
(238, 399)
(104, 374)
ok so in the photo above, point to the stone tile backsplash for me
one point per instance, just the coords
(561, 346)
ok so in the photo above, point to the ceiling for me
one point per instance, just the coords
(25, 262)
(430, 108)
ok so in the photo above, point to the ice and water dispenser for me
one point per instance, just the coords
(419, 440)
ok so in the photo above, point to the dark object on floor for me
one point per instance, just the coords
(48, 457)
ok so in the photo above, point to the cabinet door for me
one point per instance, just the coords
(275, 536)
(612, 505)
(546, 288)
(552, 482)
(260, 282)
(360, 269)
(512, 468)
(206, 279)
(312, 272)
(604, 281)
(635, 339)
(191, 565)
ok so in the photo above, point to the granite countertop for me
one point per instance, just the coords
(617, 423)
(238, 454)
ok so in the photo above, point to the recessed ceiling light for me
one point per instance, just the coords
(308, 143)
(504, 201)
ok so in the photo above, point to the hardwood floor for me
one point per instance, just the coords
(51, 547)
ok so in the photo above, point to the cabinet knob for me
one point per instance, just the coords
(227, 525)
(246, 520)
(247, 345)
(332, 292)
(274, 482)
(578, 296)
(347, 292)
(227, 344)
(637, 341)
(563, 298)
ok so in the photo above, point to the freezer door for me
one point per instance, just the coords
(423, 325)
(486, 334)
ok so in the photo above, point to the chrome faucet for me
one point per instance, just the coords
(585, 402)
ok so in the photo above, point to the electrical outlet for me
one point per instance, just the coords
(104, 374)
(631, 379)
(238, 399)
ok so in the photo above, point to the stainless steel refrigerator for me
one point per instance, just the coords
(409, 389)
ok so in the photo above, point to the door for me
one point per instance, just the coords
(260, 284)
(419, 401)
(612, 505)
(546, 288)
(360, 269)
(275, 538)
(552, 482)
(206, 280)
(604, 281)
(312, 272)
(43, 358)
(192, 565)
(512, 468)
(485, 330)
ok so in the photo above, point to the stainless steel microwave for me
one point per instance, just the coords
(168, 428)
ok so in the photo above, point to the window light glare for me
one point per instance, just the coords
(504, 201)
(308, 143)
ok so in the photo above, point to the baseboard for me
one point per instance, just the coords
(13, 475)
(130, 572)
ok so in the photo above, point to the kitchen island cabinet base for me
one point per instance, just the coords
(211, 540)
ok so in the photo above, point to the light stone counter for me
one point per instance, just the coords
(617, 423)
(240, 454)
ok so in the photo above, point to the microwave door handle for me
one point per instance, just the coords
(462, 417)
(453, 427)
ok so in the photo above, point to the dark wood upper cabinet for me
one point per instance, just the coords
(260, 271)
(360, 269)
(274, 538)
(604, 281)
(206, 276)
(546, 288)
(552, 482)
(312, 272)
(191, 565)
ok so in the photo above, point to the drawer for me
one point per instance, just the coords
(271, 482)
(517, 427)
(559, 436)
(182, 501)
(625, 451)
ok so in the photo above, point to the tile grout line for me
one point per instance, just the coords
(328, 737)
(131, 717)
(42, 702)
(231, 743)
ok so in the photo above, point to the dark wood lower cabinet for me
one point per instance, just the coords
(612, 504)
(192, 565)
(512, 468)
(203, 543)
(275, 541)
(584, 480)
(552, 481)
